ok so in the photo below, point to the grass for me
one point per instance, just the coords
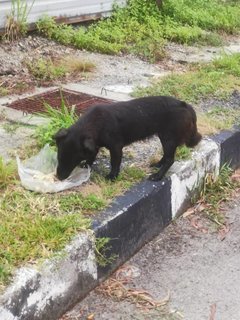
(48, 69)
(141, 28)
(102, 249)
(32, 227)
(215, 192)
(215, 79)
(35, 226)
(7, 173)
(3, 91)
(11, 127)
(218, 118)
(183, 153)
(16, 22)
(75, 65)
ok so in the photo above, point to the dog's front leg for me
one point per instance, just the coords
(163, 169)
(169, 149)
(116, 158)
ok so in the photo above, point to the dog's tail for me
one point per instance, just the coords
(195, 137)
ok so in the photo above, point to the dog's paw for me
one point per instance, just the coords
(155, 165)
(155, 177)
(111, 177)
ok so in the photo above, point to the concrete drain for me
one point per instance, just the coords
(36, 103)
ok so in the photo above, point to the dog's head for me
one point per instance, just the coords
(72, 149)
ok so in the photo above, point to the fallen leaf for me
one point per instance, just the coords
(201, 207)
(189, 212)
(197, 224)
(224, 231)
(90, 316)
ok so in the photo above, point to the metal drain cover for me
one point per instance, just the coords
(36, 103)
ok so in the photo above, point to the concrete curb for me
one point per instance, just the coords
(133, 219)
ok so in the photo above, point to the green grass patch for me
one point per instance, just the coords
(3, 91)
(216, 79)
(208, 15)
(183, 153)
(7, 173)
(32, 227)
(35, 226)
(142, 28)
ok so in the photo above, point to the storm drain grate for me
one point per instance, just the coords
(36, 103)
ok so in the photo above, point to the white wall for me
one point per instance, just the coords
(61, 8)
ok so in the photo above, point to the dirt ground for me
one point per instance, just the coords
(197, 271)
(110, 70)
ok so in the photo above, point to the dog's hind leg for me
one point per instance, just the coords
(169, 149)
(116, 158)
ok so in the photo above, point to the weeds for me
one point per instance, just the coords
(216, 79)
(7, 173)
(76, 65)
(102, 249)
(58, 118)
(47, 69)
(16, 23)
(142, 28)
(214, 193)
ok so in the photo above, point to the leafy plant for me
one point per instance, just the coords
(58, 118)
(16, 23)
(142, 28)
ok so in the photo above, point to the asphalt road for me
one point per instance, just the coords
(190, 261)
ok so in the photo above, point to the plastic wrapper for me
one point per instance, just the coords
(38, 173)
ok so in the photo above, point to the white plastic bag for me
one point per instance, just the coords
(38, 173)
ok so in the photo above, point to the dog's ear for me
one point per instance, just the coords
(61, 134)
(89, 144)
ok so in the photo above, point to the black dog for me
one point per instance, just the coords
(119, 124)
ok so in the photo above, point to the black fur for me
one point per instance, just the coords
(119, 124)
